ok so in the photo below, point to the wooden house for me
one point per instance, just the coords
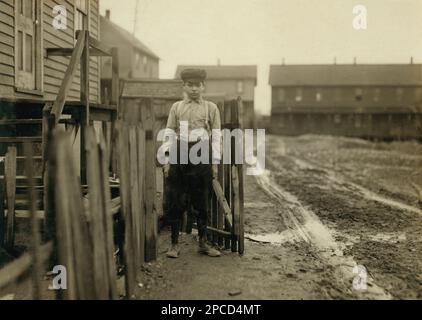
(137, 61)
(49, 59)
(27, 29)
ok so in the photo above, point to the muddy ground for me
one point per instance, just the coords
(324, 209)
(329, 218)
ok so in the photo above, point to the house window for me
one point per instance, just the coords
(137, 60)
(299, 94)
(358, 94)
(145, 63)
(318, 96)
(281, 95)
(399, 94)
(377, 92)
(240, 87)
(81, 12)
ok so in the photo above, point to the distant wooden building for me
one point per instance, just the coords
(382, 101)
(136, 60)
(231, 82)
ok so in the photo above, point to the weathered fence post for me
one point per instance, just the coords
(148, 119)
(134, 196)
(97, 216)
(241, 234)
(10, 179)
(108, 218)
(141, 187)
(227, 167)
(124, 176)
(220, 218)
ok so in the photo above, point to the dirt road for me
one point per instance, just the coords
(330, 218)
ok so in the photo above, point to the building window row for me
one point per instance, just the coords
(359, 94)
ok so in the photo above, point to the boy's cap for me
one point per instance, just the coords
(193, 74)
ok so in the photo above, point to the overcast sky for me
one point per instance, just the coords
(262, 32)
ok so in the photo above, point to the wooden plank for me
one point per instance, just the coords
(123, 158)
(223, 203)
(141, 188)
(68, 78)
(234, 119)
(80, 234)
(62, 198)
(48, 198)
(151, 228)
(109, 210)
(37, 270)
(241, 237)
(83, 124)
(227, 175)
(97, 218)
(84, 77)
(219, 232)
(134, 189)
(220, 213)
(115, 76)
(16, 269)
(10, 179)
(99, 47)
(235, 204)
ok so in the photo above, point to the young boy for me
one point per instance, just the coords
(193, 180)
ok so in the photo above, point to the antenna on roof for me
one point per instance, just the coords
(283, 62)
(135, 22)
(218, 62)
(411, 60)
(335, 60)
(354, 60)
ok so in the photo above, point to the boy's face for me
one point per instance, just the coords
(193, 88)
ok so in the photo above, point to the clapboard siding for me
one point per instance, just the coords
(54, 68)
(7, 39)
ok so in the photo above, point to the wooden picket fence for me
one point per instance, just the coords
(79, 219)
(78, 228)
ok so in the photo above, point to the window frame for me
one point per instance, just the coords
(359, 94)
(240, 87)
(299, 94)
(281, 95)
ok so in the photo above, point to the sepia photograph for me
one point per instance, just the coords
(226, 151)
